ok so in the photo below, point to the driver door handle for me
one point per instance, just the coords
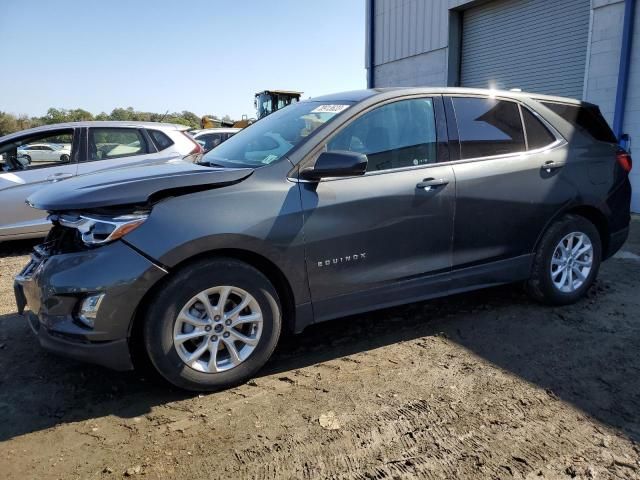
(59, 176)
(552, 165)
(431, 183)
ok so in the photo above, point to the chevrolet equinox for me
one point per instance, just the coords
(329, 207)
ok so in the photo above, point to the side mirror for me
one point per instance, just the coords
(336, 164)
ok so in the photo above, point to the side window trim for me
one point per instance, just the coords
(524, 127)
(79, 146)
(442, 135)
(452, 129)
(151, 145)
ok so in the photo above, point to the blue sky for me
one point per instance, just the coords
(158, 55)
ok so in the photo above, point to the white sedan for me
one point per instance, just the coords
(45, 152)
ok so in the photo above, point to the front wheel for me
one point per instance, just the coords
(566, 262)
(213, 325)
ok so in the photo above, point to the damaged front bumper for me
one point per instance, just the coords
(53, 286)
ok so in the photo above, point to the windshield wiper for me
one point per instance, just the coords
(211, 164)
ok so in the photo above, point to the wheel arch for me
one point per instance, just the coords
(591, 213)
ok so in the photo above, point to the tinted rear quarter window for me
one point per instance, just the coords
(161, 140)
(586, 118)
(488, 127)
(538, 136)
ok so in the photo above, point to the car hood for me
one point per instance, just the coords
(135, 185)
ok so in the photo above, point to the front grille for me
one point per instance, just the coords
(60, 240)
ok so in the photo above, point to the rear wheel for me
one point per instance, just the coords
(213, 325)
(566, 262)
(64, 158)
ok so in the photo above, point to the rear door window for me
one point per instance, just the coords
(538, 136)
(488, 127)
(106, 143)
(586, 118)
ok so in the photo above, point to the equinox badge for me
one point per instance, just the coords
(346, 259)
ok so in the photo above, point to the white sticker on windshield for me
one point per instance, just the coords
(329, 108)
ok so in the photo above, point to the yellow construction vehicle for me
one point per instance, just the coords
(244, 123)
(269, 101)
(266, 102)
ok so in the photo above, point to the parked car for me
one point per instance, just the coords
(34, 158)
(212, 137)
(396, 196)
(45, 153)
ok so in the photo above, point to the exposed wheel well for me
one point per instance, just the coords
(268, 268)
(596, 217)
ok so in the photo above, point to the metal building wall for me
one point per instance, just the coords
(526, 44)
(411, 39)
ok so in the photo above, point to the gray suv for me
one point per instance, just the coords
(329, 207)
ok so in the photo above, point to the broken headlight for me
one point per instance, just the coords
(97, 230)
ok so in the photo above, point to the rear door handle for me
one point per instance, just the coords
(551, 165)
(59, 176)
(431, 183)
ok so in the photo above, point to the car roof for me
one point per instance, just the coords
(360, 95)
(96, 124)
(217, 130)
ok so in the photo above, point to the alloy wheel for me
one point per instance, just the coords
(571, 262)
(218, 329)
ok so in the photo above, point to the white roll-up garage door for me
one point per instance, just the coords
(536, 45)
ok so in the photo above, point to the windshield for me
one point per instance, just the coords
(271, 138)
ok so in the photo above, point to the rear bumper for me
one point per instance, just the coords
(54, 287)
(616, 240)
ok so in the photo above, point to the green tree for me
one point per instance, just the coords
(8, 123)
(54, 115)
(122, 114)
(78, 115)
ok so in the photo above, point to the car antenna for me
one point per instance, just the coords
(163, 116)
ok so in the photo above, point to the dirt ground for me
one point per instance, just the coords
(481, 385)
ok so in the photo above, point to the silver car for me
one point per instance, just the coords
(210, 138)
(74, 149)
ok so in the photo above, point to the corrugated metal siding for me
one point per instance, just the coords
(404, 28)
(536, 45)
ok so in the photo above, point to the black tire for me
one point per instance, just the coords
(27, 158)
(167, 303)
(64, 158)
(540, 285)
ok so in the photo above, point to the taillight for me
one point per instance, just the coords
(197, 148)
(624, 160)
